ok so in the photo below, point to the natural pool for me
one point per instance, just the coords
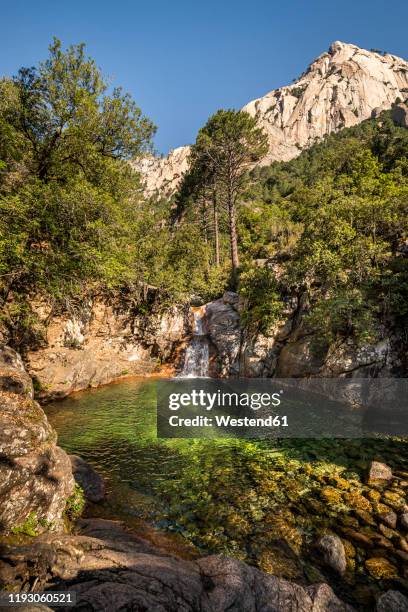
(265, 503)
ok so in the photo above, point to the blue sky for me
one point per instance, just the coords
(183, 60)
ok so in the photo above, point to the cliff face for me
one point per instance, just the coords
(104, 340)
(341, 88)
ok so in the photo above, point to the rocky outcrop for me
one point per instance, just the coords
(400, 115)
(341, 88)
(111, 569)
(290, 350)
(35, 474)
(163, 174)
(101, 341)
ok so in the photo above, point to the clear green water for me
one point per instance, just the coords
(261, 502)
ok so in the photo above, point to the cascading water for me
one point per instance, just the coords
(196, 359)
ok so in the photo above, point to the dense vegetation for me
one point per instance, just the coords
(330, 225)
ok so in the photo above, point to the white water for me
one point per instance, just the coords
(196, 359)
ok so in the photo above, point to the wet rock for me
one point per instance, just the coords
(333, 552)
(389, 519)
(404, 520)
(223, 325)
(392, 601)
(378, 473)
(380, 568)
(112, 569)
(87, 478)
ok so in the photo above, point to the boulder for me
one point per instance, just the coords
(88, 479)
(378, 473)
(389, 519)
(404, 520)
(35, 474)
(333, 553)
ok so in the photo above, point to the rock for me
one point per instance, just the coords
(389, 519)
(380, 568)
(325, 600)
(13, 376)
(392, 601)
(222, 322)
(333, 552)
(404, 520)
(107, 339)
(35, 474)
(378, 473)
(400, 115)
(112, 569)
(341, 88)
(87, 478)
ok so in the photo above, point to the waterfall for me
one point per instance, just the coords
(196, 359)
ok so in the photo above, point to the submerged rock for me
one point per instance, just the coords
(87, 478)
(378, 473)
(333, 552)
(392, 601)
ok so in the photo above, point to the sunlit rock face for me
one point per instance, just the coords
(35, 474)
(341, 88)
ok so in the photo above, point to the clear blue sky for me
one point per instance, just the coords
(182, 60)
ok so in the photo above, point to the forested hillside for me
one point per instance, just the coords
(331, 224)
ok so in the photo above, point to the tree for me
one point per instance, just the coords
(226, 147)
(69, 201)
(65, 121)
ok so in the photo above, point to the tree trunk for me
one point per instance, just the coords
(216, 235)
(233, 240)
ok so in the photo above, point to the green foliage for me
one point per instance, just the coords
(263, 303)
(31, 526)
(70, 205)
(345, 202)
(75, 504)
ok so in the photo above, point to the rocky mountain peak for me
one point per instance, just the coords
(341, 88)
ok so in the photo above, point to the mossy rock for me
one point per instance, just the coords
(393, 499)
(278, 563)
(356, 501)
(389, 533)
(374, 495)
(349, 521)
(365, 517)
(331, 496)
(381, 569)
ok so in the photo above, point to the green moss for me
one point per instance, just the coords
(32, 526)
(75, 504)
